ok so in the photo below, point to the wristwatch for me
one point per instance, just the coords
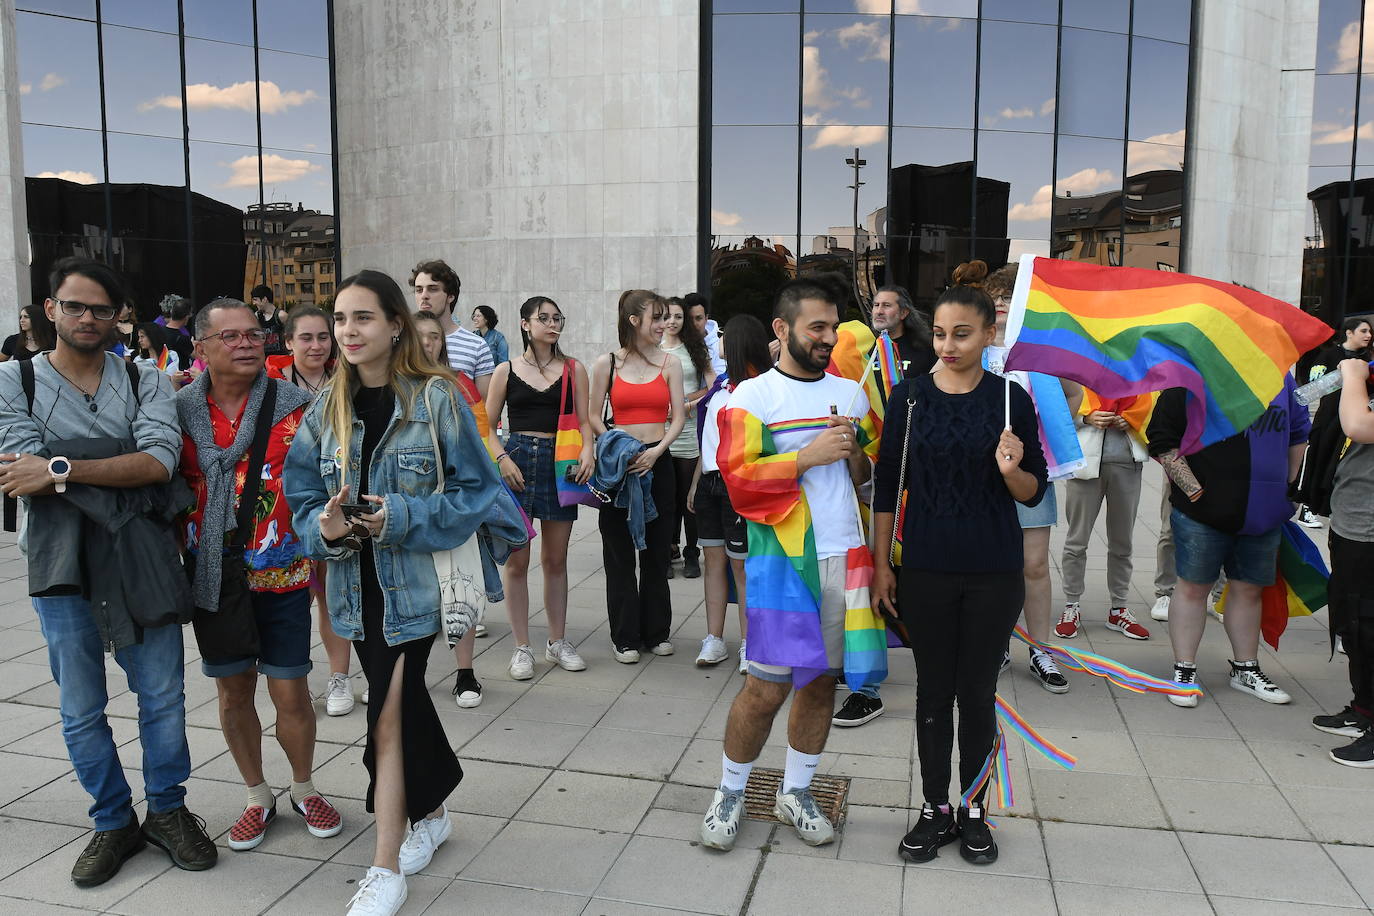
(60, 469)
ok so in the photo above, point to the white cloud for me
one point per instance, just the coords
(871, 36)
(275, 170)
(839, 135)
(812, 36)
(723, 220)
(1333, 134)
(1014, 113)
(1162, 151)
(885, 6)
(25, 88)
(52, 81)
(1047, 107)
(1348, 44)
(816, 91)
(1085, 181)
(239, 96)
(70, 175)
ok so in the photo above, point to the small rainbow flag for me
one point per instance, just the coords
(164, 359)
(1299, 588)
(1126, 330)
(853, 358)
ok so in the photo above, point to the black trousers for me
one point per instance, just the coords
(683, 471)
(640, 610)
(959, 625)
(1350, 601)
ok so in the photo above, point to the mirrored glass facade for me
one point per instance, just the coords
(890, 140)
(186, 142)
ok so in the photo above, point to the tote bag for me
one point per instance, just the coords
(462, 592)
(567, 447)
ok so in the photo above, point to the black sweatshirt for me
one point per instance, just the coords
(960, 517)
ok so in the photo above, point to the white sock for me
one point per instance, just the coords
(734, 776)
(800, 768)
(260, 795)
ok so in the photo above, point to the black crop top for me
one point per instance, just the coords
(531, 410)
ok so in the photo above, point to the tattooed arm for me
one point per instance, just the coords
(1177, 469)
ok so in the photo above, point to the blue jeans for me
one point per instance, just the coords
(155, 674)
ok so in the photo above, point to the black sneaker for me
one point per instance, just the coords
(975, 836)
(857, 709)
(1047, 672)
(1359, 753)
(1348, 723)
(1006, 662)
(106, 853)
(691, 567)
(933, 829)
(467, 692)
(182, 835)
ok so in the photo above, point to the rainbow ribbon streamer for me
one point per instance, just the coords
(996, 769)
(1122, 676)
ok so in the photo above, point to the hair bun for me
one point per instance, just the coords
(971, 273)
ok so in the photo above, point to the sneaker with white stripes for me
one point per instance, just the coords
(1067, 627)
(562, 654)
(1248, 678)
(1184, 676)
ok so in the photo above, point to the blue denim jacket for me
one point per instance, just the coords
(418, 521)
(615, 449)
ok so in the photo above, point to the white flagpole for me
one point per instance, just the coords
(1006, 380)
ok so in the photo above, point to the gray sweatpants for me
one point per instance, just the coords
(1165, 577)
(1119, 484)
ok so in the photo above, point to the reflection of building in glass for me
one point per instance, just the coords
(930, 225)
(745, 276)
(147, 238)
(1089, 227)
(1339, 265)
(292, 250)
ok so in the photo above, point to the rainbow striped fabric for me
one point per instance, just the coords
(1136, 410)
(854, 356)
(164, 359)
(1299, 588)
(1125, 330)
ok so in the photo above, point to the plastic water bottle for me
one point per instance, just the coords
(1319, 387)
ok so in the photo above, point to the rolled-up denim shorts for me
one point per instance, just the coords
(284, 629)
(1044, 514)
(533, 455)
(1201, 552)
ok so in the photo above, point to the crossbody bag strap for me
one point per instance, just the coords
(565, 398)
(252, 483)
(608, 418)
(900, 515)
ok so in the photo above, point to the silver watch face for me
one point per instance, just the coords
(60, 467)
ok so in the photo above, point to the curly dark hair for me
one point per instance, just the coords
(691, 339)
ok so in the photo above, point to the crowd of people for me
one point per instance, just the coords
(355, 458)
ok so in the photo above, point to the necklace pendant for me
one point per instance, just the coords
(94, 407)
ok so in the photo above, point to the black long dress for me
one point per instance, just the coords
(431, 770)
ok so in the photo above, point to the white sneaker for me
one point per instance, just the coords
(743, 660)
(425, 837)
(381, 893)
(1248, 678)
(479, 631)
(1307, 519)
(367, 691)
(713, 651)
(338, 696)
(562, 654)
(663, 648)
(721, 824)
(1184, 676)
(522, 663)
(799, 809)
(626, 656)
(1161, 609)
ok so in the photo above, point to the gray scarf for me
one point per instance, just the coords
(217, 464)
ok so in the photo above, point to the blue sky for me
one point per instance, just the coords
(843, 92)
(59, 85)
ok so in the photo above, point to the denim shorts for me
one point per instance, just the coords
(1201, 552)
(718, 524)
(533, 455)
(283, 636)
(1044, 514)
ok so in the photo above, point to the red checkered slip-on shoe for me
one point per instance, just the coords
(251, 827)
(321, 818)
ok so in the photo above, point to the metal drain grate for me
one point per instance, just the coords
(831, 794)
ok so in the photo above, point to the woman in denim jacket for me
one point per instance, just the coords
(383, 590)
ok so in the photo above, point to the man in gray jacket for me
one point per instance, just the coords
(81, 392)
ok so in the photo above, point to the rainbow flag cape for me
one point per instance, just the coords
(1126, 330)
(1058, 435)
(1299, 588)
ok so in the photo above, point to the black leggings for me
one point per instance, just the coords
(640, 611)
(1351, 598)
(959, 625)
(684, 469)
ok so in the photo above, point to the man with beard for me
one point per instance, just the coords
(83, 396)
(790, 461)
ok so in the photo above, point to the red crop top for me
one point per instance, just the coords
(642, 402)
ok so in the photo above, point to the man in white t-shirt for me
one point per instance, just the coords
(436, 288)
(786, 434)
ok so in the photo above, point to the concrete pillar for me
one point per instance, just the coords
(14, 238)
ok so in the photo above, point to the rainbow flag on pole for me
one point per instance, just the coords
(1124, 330)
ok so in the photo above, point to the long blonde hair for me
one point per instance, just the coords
(408, 365)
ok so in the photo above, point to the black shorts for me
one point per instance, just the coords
(718, 524)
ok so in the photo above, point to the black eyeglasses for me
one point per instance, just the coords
(74, 309)
(231, 338)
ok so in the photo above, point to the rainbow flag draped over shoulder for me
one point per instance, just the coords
(1299, 587)
(1125, 330)
(784, 594)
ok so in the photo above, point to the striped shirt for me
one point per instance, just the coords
(469, 353)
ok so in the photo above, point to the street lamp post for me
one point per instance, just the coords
(857, 164)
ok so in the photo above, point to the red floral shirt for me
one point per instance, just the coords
(274, 556)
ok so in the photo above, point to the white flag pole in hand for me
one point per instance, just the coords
(1006, 412)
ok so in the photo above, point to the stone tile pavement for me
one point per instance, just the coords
(584, 790)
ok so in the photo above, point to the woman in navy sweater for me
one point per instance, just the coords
(960, 584)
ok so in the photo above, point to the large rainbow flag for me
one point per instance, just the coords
(1299, 587)
(1124, 330)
